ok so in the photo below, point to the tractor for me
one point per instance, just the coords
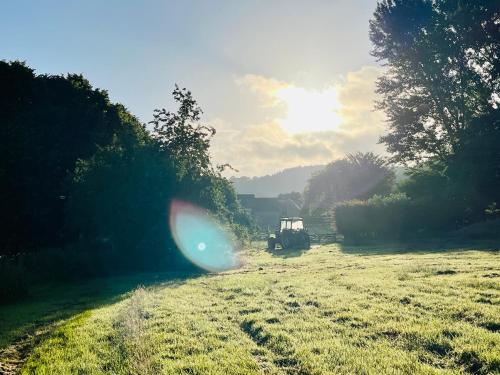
(291, 234)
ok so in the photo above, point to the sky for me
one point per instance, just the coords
(284, 83)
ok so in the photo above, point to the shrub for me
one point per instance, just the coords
(376, 218)
(13, 280)
(138, 351)
(489, 230)
(396, 217)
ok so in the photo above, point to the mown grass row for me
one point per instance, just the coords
(322, 312)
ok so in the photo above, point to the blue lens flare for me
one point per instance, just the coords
(201, 239)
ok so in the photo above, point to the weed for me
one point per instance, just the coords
(136, 348)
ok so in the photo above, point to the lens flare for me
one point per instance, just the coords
(201, 239)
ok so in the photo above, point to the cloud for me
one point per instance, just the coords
(357, 97)
(266, 88)
(267, 147)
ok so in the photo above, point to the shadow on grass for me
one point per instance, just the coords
(287, 253)
(52, 303)
(428, 246)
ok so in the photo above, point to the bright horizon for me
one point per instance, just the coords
(284, 83)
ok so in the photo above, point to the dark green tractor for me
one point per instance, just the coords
(291, 234)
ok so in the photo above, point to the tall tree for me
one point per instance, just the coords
(121, 195)
(47, 123)
(182, 134)
(443, 70)
(359, 175)
(474, 169)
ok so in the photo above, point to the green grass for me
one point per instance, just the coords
(330, 310)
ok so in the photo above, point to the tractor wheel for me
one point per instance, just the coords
(307, 242)
(285, 242)
(271, 244)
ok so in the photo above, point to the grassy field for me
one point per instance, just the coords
(331, 310)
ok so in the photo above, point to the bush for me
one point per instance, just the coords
(20, 273)
(13, 280)
(396, 217)
(378, 218)
(485, 230)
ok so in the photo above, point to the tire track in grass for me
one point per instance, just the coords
(206, 318)
(13, 357)
(281, 347)
(431, 306)
(274, 352)
(235, 298)
(439, 349)
(468, 359)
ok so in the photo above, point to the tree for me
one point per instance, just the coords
(47, 123)
(474, 168)
(441, 93)
(357, 176)
(442, 72)
(118, 204)
(185, 143)
(77, 168)
(121, 195)
(181, 134)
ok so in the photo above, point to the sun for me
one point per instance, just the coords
(309, 110)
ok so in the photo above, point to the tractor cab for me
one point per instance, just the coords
(294, 223)
(290, 233)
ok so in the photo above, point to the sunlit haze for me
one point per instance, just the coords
(309, 111)
(284, 83)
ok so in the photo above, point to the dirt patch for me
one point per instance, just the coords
(446, 272)
(492, 275)
(13, 356)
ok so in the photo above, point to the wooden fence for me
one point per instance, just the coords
(316, 238)
(321, 238)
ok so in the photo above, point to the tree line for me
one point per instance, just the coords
(441, 94)
(85, 183)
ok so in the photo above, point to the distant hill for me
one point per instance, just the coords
(286, 181)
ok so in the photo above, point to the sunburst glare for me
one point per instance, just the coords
(309, 110)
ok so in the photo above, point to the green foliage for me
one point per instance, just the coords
(378, 218)
(47, 124)
(121, 195)
(14, 280)
(442, 72)
(485, 230)
(397, 217)
(440, 93)
(426, 182)
(474, 169)
(83, 175)
(357, 176)
(181, 135)
(119, 203)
